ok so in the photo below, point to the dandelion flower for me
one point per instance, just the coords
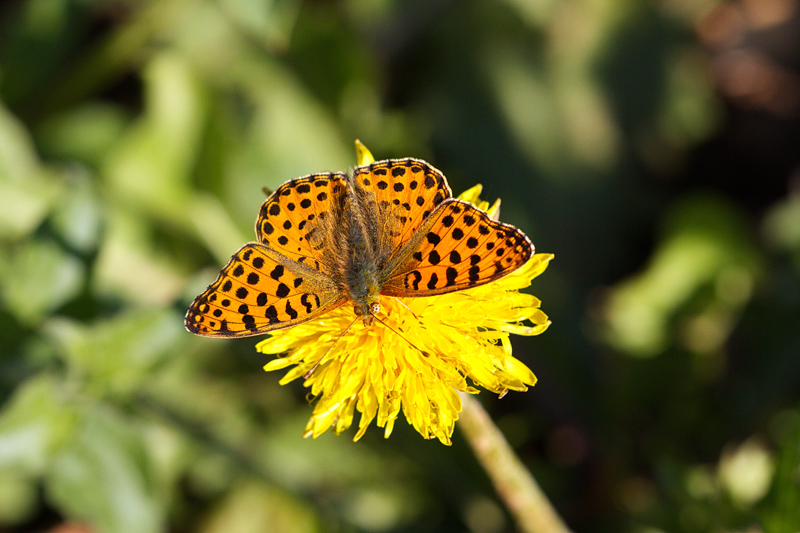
(417, 355)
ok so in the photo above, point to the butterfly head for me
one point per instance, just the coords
(367, 309)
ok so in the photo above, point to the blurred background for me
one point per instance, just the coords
(652, 146)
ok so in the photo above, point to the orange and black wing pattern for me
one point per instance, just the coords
(458, 247)
(292, 220)
(400, 194)
(260, 291)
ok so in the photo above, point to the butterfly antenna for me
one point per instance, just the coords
(398, 300)
(423, 352)
(313, 368)
(267, 191)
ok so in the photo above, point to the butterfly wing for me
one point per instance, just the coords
(398, 195)
(258, 291)
(292, 220)
(457, 247)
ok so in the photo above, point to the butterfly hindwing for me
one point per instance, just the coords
(459, 246)
(260, 291)
(291, 220)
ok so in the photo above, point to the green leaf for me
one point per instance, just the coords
(256, 508)
(18, 498)
(103, 477)
(706, 258)
(85, 133)
(37, 278)
(151, 164)
(130, 266)
(118, 355)
(78, 216)
(26, 190)
(33, 425)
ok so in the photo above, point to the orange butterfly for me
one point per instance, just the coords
(391, 229)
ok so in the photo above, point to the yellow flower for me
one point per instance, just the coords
(377, 372)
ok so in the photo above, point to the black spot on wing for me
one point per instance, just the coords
(451, 274)
(282, 291)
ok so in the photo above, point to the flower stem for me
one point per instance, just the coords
(513, 482)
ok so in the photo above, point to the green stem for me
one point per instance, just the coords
(514, 483)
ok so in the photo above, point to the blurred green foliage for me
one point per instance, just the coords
(135, 139)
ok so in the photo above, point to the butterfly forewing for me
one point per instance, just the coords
(458, 247)
(400, 195)
(291, 220)
(259, 291)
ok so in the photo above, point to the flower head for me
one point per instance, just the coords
(416, 356)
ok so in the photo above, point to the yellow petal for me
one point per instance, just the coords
(363, 155)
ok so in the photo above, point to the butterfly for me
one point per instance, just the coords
(391, 228)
